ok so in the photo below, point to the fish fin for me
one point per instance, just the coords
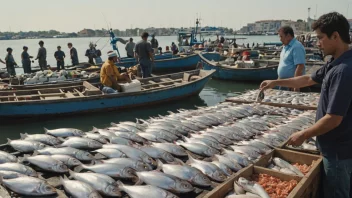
(190, 158)
(120, 185)
(8, 140)
(40, 176)
(99, 156)
(95, 129)
(35, 153)
(78, 168)
(23, 136)
(113, 124)
(159, 166)
(71, 173)
(46, 130)
(180, 162)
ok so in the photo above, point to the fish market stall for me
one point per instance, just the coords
(273, 97)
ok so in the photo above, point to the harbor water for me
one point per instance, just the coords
(214, 92)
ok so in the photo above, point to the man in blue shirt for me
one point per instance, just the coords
(60, 58)
(333, 127)
(292, 57)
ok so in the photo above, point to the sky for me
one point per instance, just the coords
(75, 15)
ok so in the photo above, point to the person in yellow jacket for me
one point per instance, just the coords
(110, 75)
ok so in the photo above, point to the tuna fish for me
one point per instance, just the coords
(79, 189)
(25, 146)
(145, 191)
(64, 132)
(43, 138)
(29, 186)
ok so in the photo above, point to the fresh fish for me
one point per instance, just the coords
(29, 186)
(19, 168)
(171, 148)
(209, 169)
(120, 140)
(283, 164)
(185, 172)
(133, 153)
(7, 157)
(263, 148)
(158, 128)
(232, 164)
(11, 174)
(157, 153)
(101, 183)
(240, 159)
(252, 187)
(67, 160)
(287, 171)
(64, 132)
(164, 135)
(25, 146)
(136, 125)
(47, 163)
(125, 127)
(152, 137)
(220, 138)
(200, 149)
(76, 153)
(43, 138)
(110, 152)
(223, 167)
(205, 136)
(103, 132)
(112, 170)
(128, 162)
(204, 141)
(249, 151)
(165, 181)
(130, 136)
(79, 189)
(230, 135)
(82, 143)
(98, 137)
(145, 191)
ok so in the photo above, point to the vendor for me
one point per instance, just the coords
(110, 75)
(333, 127)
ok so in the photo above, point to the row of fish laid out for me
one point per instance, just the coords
(167, 156)
(279, 96)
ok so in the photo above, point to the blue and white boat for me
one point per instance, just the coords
(86, 97)
(261, 70)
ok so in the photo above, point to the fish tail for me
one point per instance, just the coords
(35, 153)
(113, 124)
(8, 140)
(159, 165)
(72, 173)
(79, 168)
(23, 136)
(46, 130)
(121, 186)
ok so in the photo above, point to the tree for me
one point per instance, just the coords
(300, 20)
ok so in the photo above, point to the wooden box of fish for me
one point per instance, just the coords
(256, 182)
(306, 147)
(279, 98)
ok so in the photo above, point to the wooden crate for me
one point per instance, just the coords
(285, 146)
(226, 187)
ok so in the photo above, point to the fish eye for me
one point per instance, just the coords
(48, 188)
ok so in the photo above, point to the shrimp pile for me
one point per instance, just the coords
(303, 168)
(275, 187)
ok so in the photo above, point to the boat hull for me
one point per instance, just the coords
(101, 102)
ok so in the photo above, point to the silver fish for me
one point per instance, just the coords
(11, 174)
(138, 126)
(200, 149)
(7, 157)
(223, 167)
(64, 132)
(249, 151)
(185, 172)
(120, 140)
(127, 162)
(102, 183)
(157, 153)
(25, 146)
(240, 159)
(209, 169)
(98, 137)
(67, 160)
(112, 170)
(232, 164)
(203, 141)
(29, 186)
(220, 138)
(164, 135)
(79, 189)
(82, 143)
(133, 153)
(110, 152)
(43, 138)
(47, 163)
(152, 137)
(103, 132)
(252, 187)
(171, 148)
(76, 153)
(165, 181)
(283, 164)
(130, 136)
(19, 168)
(145, 191)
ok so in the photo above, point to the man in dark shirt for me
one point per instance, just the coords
(41, 57)
(144, 54)
(73, 54)
(60, 56)
(333, 126)
(154, 43)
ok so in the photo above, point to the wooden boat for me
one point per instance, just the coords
(263, 70)
(86, 97)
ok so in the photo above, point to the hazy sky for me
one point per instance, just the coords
(74, 15)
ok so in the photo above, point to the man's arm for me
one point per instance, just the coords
(38, 55)
(298, 72)
(2, 61)
(151, 56)
(296, 82)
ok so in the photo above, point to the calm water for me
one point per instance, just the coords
(214, 92)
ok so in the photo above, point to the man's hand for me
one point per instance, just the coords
(297, 139)
(268, 84)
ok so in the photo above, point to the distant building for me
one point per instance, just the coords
(271, 27)
(86, 33)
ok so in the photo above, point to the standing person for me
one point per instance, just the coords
(91, 54)
(292, 57)
(10, 62)
(144, 54)
(60, 58)
(26, 60)
(154, 43)
(174, 48)
(41, 57)
(130, 48)
(98, 59)
(110, 75)
(333, 127)
(73, 54)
